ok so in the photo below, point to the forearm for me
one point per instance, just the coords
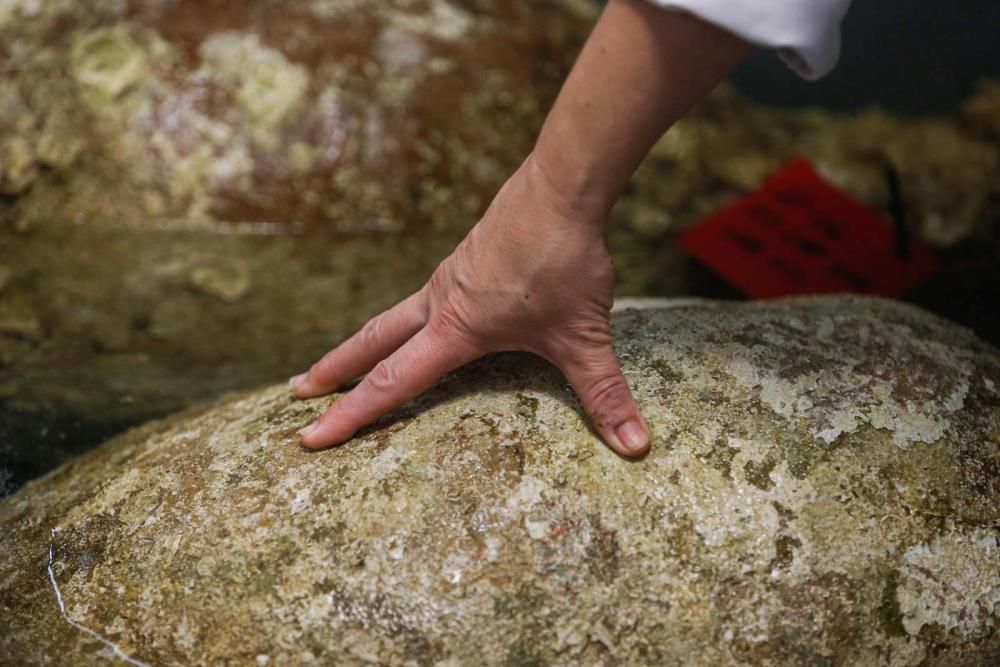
(641, 69)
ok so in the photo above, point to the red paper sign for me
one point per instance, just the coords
(797, 234)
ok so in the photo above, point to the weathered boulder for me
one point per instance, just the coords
(349, 116)
(823, 489)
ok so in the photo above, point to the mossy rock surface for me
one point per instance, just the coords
(823, 490)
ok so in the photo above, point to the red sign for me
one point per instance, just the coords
(797, 234)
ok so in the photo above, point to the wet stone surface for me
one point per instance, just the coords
(823, 489)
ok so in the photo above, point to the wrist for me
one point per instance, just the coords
(565, 193)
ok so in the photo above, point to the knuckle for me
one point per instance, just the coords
(593, 333)
(442, 278)
(449, 322)
(607, 393)
(371, 332)
(383, 378)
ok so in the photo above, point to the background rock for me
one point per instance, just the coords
(354, 117)
(823, 489)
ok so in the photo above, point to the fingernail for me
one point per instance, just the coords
(297, 381)
(633, 436)
(308, 430)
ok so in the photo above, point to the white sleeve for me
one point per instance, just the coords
(806, 33)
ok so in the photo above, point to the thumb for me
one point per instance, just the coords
(597, 379)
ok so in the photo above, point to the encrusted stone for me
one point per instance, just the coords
(108, 61)
(314, 114)
(823, 489)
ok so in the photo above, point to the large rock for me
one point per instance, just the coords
(330, 114)
(823, 490)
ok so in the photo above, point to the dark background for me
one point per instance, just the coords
(908, 56)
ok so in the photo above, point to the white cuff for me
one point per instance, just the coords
(805, 33)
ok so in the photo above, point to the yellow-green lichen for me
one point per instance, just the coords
(268, 86)
(108, 61)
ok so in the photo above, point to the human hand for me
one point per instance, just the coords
(533, 275)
